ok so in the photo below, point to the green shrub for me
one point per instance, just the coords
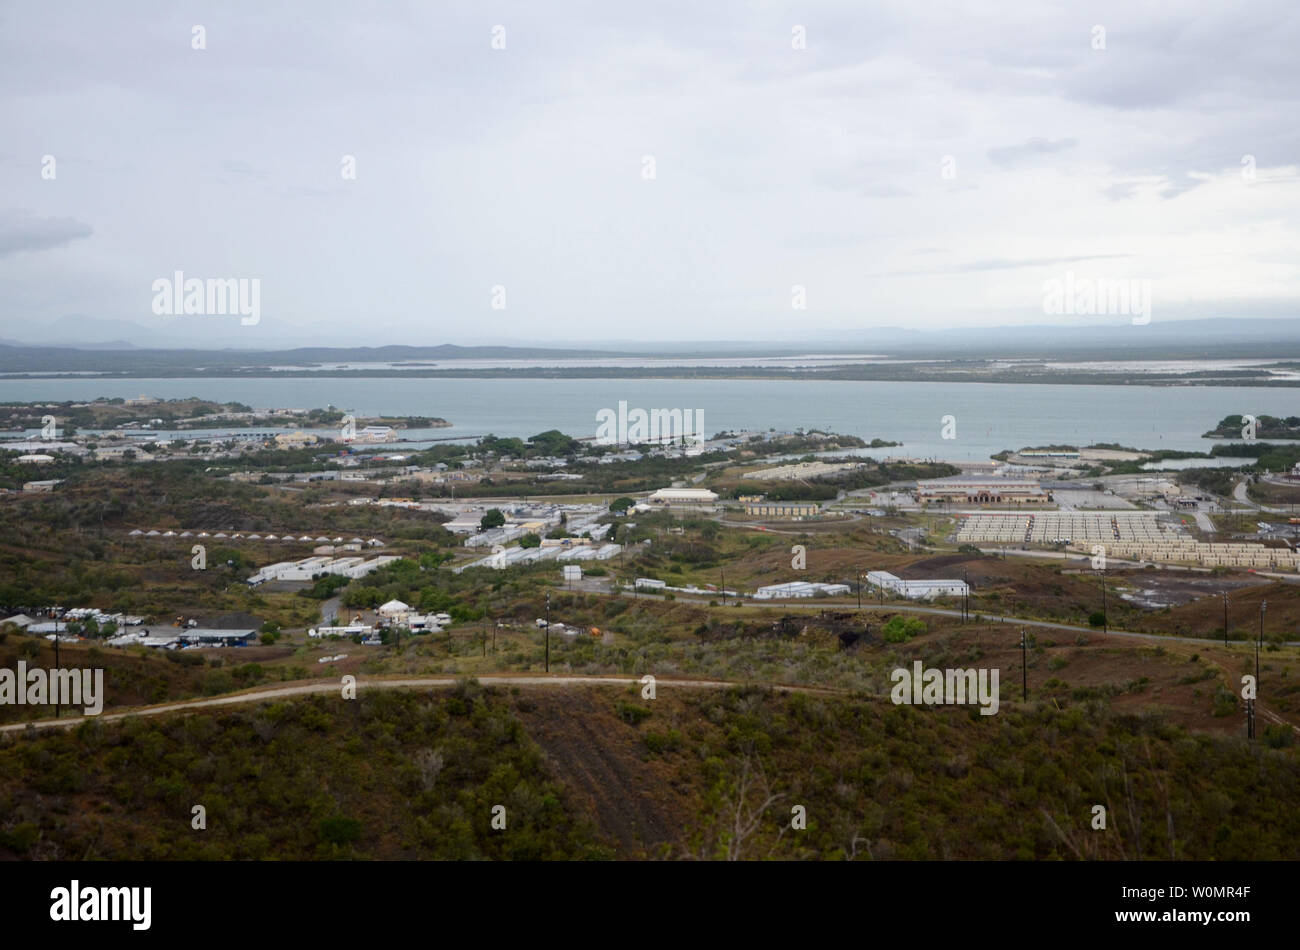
(900, 629)
(659, 742)
(339, 830)
(632, 714)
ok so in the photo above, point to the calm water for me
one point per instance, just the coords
(989, 416)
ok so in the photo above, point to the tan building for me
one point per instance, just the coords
(776, 509)
(683, 497)
(42, 486)
(981, 491)
(294, 440)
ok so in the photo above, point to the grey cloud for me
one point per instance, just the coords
(1011, 154)
(25, 233)
(241, 169)
(1006, 264)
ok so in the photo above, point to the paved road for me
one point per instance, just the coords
(1239, 494)
(263, 694)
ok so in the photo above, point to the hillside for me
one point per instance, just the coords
(596, 772)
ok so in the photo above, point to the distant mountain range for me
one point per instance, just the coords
(83, 341)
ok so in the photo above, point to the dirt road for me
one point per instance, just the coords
(410, 682)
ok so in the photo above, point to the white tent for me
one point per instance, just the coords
(394, 608)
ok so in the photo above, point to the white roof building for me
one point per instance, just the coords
(917, 590)
(683, 496)
(800, 589)
(394, 608)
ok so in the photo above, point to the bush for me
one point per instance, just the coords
(658, 742)
(632, 714)
(1097, 619)
(900, 629)
(339, 830)
(1278, 736)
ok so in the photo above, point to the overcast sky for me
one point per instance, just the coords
(916, 165)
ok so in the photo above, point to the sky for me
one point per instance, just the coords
(585, 172)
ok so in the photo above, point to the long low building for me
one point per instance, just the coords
(917, 590)
(800, 589)
(779, 509)
(682, 497)
(521, 555)
(981, 491)
(313, 567)
(171, 638)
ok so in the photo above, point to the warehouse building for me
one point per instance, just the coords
(917, 590)
(683, 498)
(800, 589)
(981, 491)
(311, 568)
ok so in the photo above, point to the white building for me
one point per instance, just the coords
(683, 497)
(311, 568)
(917, 590)
(800, 589)
(42, 486)
(395, 611)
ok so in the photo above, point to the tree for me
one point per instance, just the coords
(493, 518)
(621, 504)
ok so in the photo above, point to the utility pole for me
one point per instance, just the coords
(723, 577)
(1250, 703)
(548, 631)
(56, 666)
(1105, 620)
(1262, 605)
(1224, 595)
(860, 591)
(1024, 666)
